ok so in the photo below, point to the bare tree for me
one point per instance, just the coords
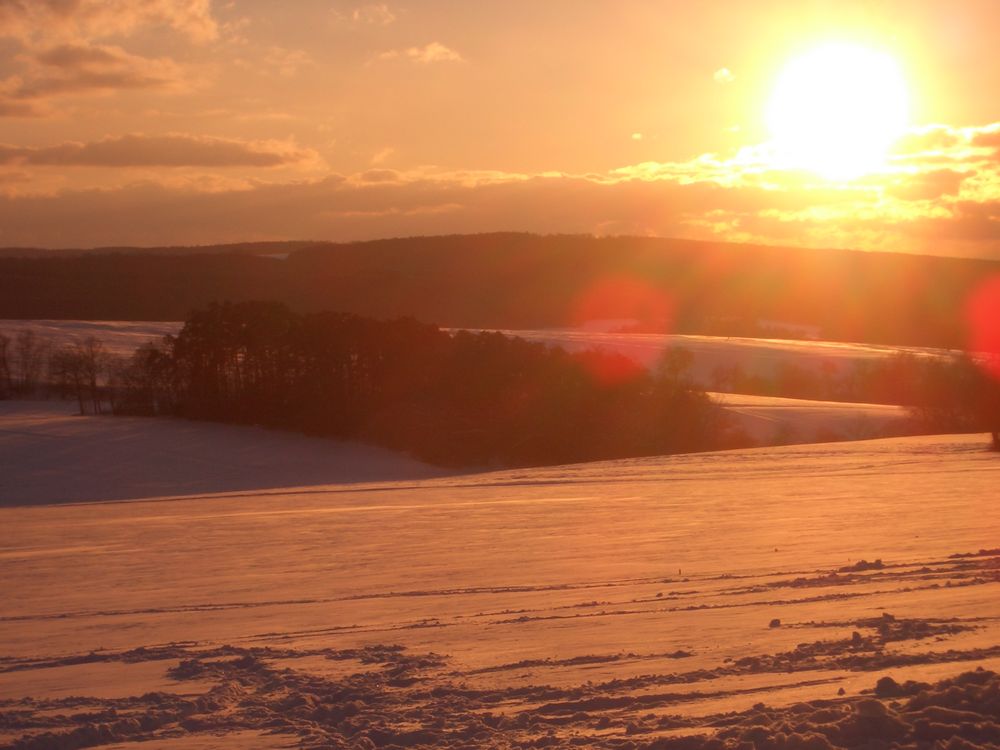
(5, 381)
(94, 360)
(66, 375)
(30, 355)
(79, 369)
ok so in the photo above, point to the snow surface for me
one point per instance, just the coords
(771, 419)
(50, 454)
(756, 356)
(120, 337)
(606, 604)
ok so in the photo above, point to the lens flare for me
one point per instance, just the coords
(983, 319)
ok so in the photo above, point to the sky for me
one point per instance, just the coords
(154, 122)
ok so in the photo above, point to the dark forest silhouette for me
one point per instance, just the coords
(522, 281)
(470, 399)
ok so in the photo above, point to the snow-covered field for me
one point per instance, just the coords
(753, 596)
(763, 357)
(119, 337)
(773, 420)
(49, 454)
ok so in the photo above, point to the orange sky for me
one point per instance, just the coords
(194, 121)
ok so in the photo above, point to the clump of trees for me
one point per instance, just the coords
(479, 399)
(23, 359)
(959, 395)
(32, 366)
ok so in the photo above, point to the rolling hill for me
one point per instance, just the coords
(521, 281)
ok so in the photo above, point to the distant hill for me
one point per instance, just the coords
(236, 248)
(516, 281)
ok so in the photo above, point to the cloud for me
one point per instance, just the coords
(14, 176)
(368, 14)
(373, 13)
(173, 150)
(917, 204)
(34, 21)
(988, 136)
(929, 138)
(435, 52)
(380, 156)
(13, 108)
(379, 203)
(64, 49)
(928, 185)
(378, 175)
(945, 143)
(80, 68)
(723, 76)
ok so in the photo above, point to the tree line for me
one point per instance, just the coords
(904, 379)
(32, 366)
(469, 399)
(956, 393)
(463, 399)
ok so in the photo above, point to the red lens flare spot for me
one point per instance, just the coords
(627, 301)
(620, 303)
(982, 312)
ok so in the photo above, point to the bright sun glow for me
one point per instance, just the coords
(837, 109)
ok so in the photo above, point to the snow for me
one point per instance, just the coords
(49, 454)
(193, 585)
(756, 356)
(602, 602)
(770, 419)
(119, 336)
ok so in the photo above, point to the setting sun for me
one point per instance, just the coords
(837, 109)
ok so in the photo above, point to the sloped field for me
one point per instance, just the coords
(749, 596)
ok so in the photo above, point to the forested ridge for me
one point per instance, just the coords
(522, 281)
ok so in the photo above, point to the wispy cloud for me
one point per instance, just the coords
(367, 14)
(81, 69)
(939, 193)
(723, 75)
(434, 52)
(382, 155)
(65, 50)
(374, 13)
(34, 21)
(172, 150)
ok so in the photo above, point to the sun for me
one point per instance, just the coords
(837, 110)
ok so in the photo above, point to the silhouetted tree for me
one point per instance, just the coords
(145, 383)
(464, 399)
(30, 357)
(78, 369)
(6, 384)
